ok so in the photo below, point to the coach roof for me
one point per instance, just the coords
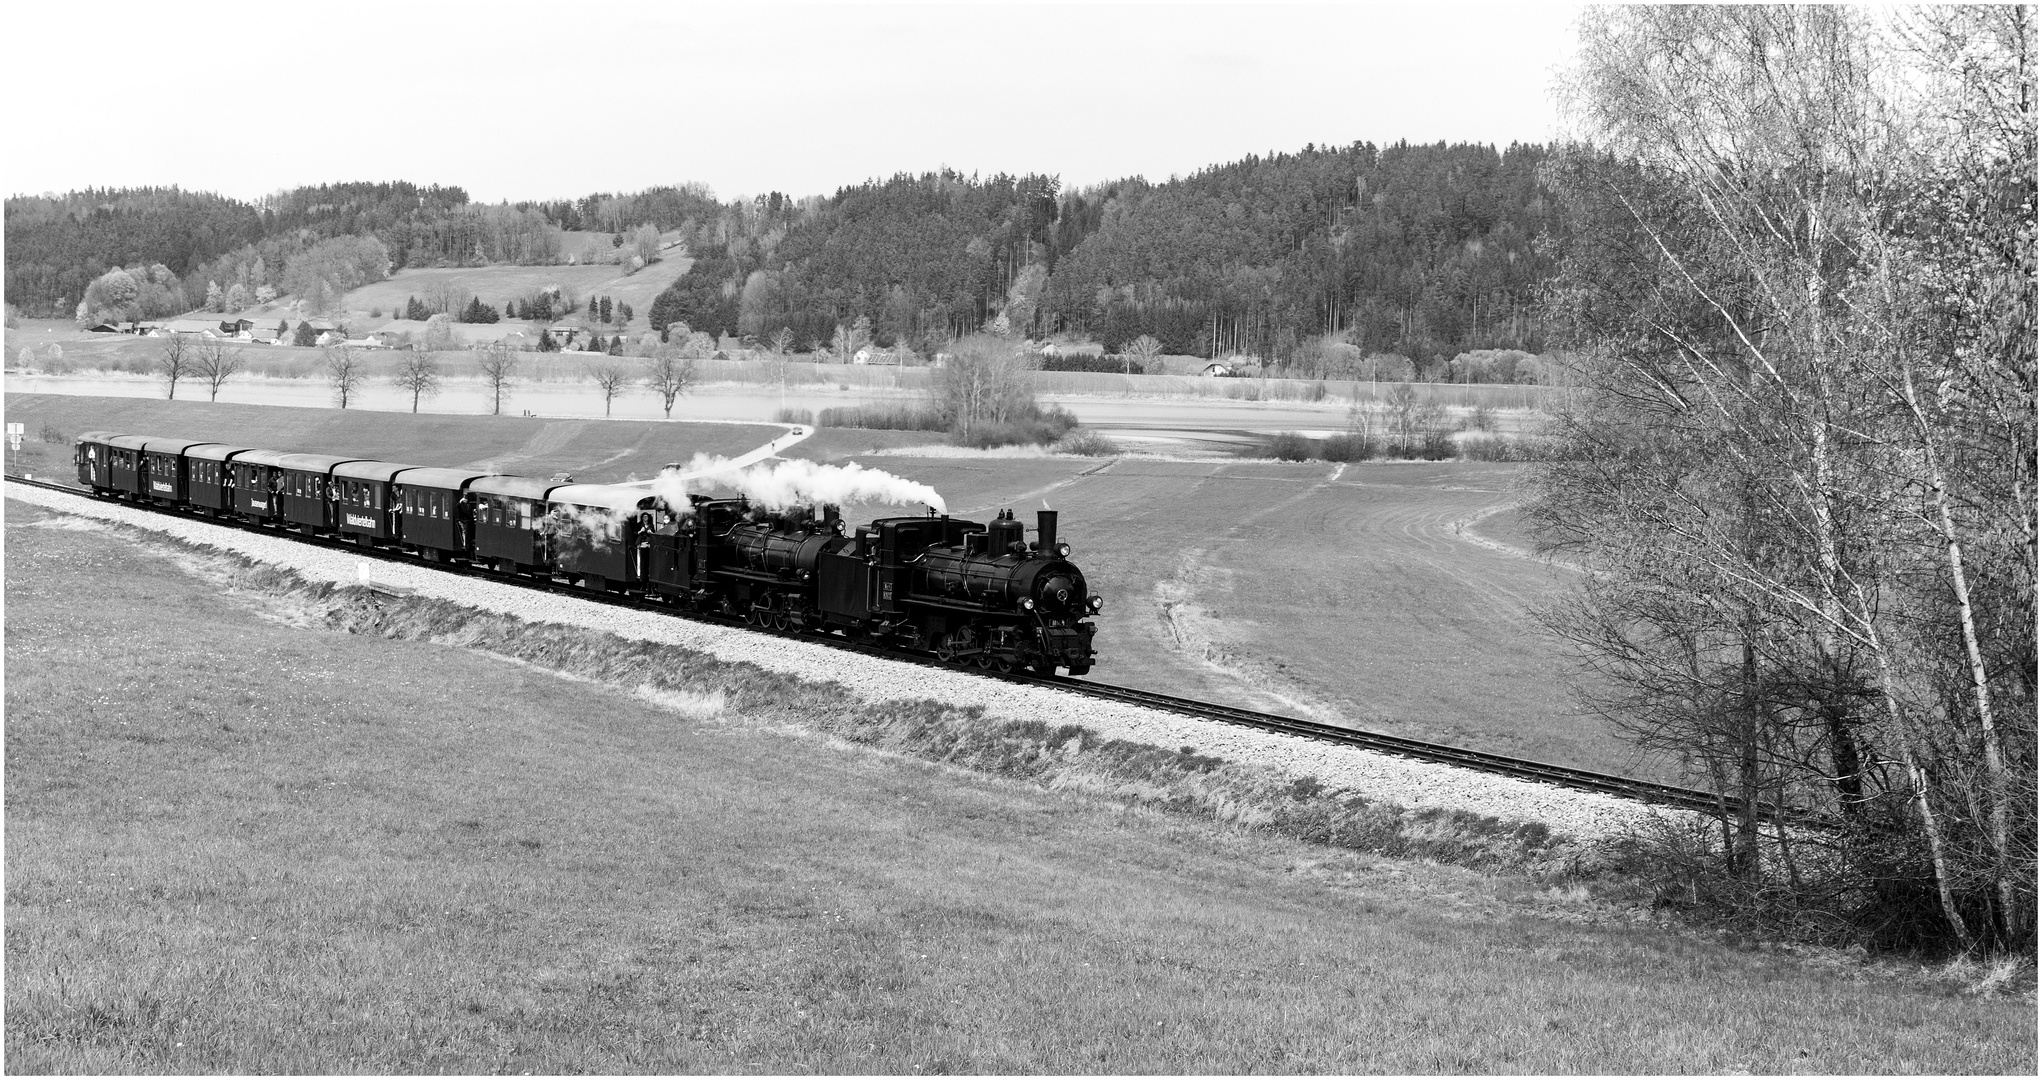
(169, 446)
(517, 487)
(215, 451)
(319, 463)
(261, 457)
(443, 479)
(370, 470)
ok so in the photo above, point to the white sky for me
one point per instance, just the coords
(517, 100)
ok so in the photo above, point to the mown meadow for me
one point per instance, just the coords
(238, 840)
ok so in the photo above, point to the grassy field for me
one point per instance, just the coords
(117, 352)
(594, 451)
(1383, 594)
(497, 284)
(342, 853)
(1267, 585)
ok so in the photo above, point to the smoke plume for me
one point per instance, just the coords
(797, 482)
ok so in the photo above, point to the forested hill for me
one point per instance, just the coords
(1427, 250)
(183, 242)
(1424, 250)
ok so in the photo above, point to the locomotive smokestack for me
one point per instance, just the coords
(1045, 530)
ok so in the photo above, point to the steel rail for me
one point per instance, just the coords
(1691, 799)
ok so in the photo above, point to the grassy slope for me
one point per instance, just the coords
(341, 853)
(496, 284)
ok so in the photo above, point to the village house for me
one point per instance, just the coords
(566, 331)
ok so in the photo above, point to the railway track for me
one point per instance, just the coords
(1645, 791)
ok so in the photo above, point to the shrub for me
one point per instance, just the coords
(1045, 426)
(798, 416)
(1483, 418)
(1348, 446)
(882, 418)
(1495, 448)
(1085, 442)
(1436, 445)
(1291, 446)
(1109, 365)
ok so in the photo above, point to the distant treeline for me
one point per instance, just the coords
(1427, 251)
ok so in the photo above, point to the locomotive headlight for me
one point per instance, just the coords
(1096, 603)
(1063, 551)
(1027, 603)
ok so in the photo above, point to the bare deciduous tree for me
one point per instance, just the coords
(611, 379)
(1780, 247)
(1140, 352)
(173, 360)
(346, 370)
(986, 381)
(669, 374)
(214, 363)
(418, 374)
(444, 297)
(499, 366)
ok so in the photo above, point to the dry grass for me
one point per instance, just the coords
(351, 853)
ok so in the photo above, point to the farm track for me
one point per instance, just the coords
(1649, 792)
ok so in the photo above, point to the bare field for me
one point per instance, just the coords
(350, 854)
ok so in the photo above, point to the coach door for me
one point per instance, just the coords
(92, 465)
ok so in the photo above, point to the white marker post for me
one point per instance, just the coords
(14, 434)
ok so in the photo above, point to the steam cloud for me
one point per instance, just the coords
(590, 523)
(797, 482)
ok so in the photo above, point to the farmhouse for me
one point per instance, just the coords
(565, 331)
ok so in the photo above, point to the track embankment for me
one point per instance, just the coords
(1422, 787)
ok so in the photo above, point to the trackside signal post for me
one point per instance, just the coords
(14, 434)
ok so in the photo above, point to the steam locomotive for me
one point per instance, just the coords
(966, 591)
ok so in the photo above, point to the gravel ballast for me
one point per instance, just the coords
(1417, 784)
